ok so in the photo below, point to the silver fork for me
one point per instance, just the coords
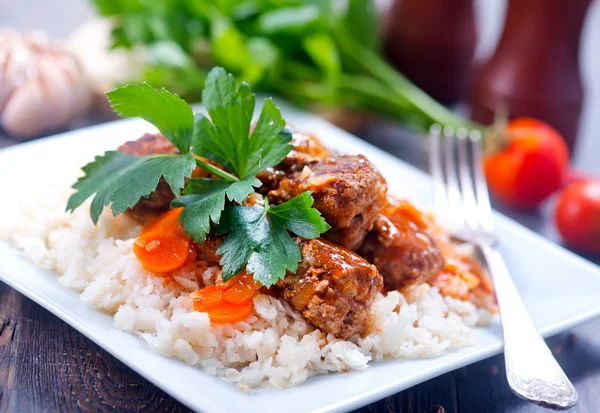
(460, 194)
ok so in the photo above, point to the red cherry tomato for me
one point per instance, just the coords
(577, 215)
(531, 165)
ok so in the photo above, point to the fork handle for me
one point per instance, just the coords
(532, 371)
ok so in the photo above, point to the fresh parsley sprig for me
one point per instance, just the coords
(169, 113)
(256, 237)
(121, 180)
(225, 138)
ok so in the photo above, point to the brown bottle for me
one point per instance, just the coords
(432, 42)
(535, 69)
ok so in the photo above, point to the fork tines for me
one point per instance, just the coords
(460, 190)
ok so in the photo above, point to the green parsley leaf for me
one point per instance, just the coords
(121, 180)
(168, 112)
(248, 227)
(298, 216)
(270, 141)
(226, 139)
(204, 200)
(257, 236)
(201, 208)
(277, 255)
(239, 191)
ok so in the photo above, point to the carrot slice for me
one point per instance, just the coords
(240, 288)
(161, 252)
(162, 246)
(469, 278)
(451, 266)
(243, 277)
(231, 313)
(167, 222)
(225, 284)
(412, 213)
(227, 302)
(239, 293)
(205, 290)
(206, 301)
(248, 279)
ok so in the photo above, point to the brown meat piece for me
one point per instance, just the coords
(159, 200)
(401, 251)
(307, 149)
(348, 191)
(208, 250)
(333, 288)
(149, 144)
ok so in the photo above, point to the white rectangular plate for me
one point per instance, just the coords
(559, 288)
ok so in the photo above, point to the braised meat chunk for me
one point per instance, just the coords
(307, 149)
(333, 288)
(149, 144)
(347, 189)
(207, 251)
(158, 201)
(403, 253)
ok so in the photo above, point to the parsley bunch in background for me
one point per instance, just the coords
(314, 52)
(257, 236)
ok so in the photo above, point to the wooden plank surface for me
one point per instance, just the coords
(47, 366)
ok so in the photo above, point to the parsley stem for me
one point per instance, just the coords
(226, 176)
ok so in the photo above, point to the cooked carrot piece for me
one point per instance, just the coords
(206, 301)
(231, 313)
(412, 213)
(227, 302)
(225, 284)
(162, 246)
(239, 293)
(451, 266)
(471, 280)
(205, 290)
(167, 222)
(248, 279)
(160, 252)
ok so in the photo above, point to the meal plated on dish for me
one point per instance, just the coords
(260, 256)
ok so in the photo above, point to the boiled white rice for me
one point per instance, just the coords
(274, 347)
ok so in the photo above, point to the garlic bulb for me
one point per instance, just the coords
(42, 86)
(91, 44)
(106, 68)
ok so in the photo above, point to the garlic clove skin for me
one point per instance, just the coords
(81, 91)
(91, 44)
(42, 86)
(21, 115)
(56, 90)
(16, 66)
(105, 67)
(6, 87)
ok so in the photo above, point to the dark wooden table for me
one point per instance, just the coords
(47, 366)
